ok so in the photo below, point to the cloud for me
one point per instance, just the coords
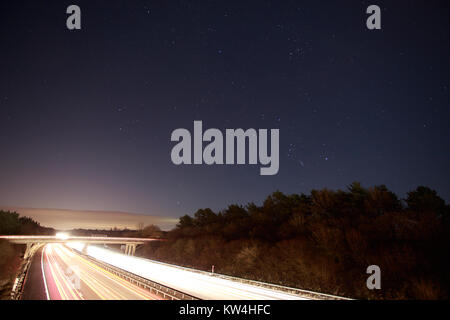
(64, 219)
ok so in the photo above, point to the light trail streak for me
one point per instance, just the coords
(193, 283)
(43, 275)
(61, 267)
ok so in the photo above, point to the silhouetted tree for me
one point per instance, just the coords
(424, 199)
(204, 217)
(185, 221)
(9, 222)
(151, 231)
(380, 200)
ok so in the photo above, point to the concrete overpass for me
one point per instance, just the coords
(35, 242)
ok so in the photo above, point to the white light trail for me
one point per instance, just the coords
(193, 283)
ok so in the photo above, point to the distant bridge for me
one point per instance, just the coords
(35, 242)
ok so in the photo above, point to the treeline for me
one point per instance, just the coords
(12, 223)
(150, 231)
(323, 241)
(115, 232)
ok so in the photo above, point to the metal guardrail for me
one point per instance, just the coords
(301, 292)
(16, 292)
(154, 287)
(182, 296)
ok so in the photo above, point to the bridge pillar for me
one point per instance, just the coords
(130, 249)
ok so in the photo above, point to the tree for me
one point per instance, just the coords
(234, 212)
(380, 200)
(151, 231)
(9, 222)
(357, 196)
(424, 199)
(324, 202)
(204, 217)
(185, 222)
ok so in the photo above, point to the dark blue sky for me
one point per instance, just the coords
(86, 116)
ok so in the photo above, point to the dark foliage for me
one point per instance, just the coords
(323, 241)
(10, 255)
(11, 223)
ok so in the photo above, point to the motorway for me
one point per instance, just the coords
(197, 284)
(57, 273)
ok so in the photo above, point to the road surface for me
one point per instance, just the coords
(200, 285)
(65, 275)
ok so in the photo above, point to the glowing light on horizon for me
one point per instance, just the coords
(63, 235)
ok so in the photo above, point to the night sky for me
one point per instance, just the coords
(86, 116)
